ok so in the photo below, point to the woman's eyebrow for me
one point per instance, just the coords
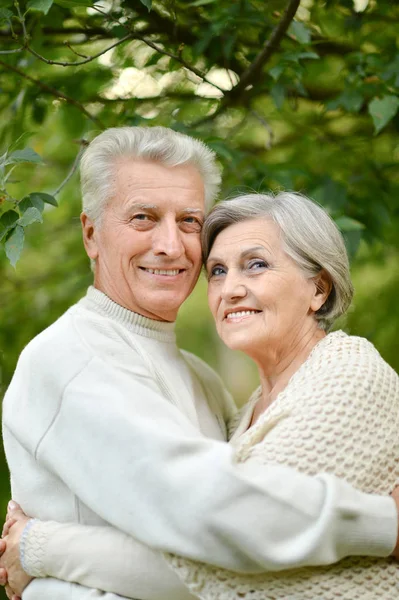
(251, 250)
(243, 254)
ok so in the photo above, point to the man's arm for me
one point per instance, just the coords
(138, 463)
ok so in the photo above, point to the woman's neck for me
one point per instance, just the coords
(277, 368)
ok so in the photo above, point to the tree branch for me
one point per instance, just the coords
(11, 51)
(268, 50)
(160, 50)
(54, 92)
(48, 61)
(83, 146)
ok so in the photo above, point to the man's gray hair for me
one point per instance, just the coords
(159, 144)
(310, 237)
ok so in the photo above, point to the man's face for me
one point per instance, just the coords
(147, 247)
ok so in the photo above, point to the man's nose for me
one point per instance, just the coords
(233, 286)
(167, 240)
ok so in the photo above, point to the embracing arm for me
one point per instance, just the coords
(153, 476)
(96, 557)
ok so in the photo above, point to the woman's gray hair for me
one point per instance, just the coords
(310, 237)
(159, 144)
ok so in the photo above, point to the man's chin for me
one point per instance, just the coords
(165, 305)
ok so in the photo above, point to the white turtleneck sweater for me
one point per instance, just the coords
(104, 423)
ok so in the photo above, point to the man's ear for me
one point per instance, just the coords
(323, 287)
(89, 236)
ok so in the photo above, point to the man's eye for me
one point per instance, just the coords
(191, 224)
(140, 217)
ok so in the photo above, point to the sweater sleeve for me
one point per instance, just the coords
(98, 557)
(136, 461)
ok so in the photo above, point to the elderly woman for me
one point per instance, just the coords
(278, 278)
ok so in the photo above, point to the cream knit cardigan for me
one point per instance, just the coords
(338, 414)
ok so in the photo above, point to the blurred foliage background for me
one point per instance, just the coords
(297, 95)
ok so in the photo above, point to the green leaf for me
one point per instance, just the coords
(6, 15)
(31, 215)
(14, 245)
(29, 202)
(382, 110)
(40, 5)
(201, 2)
(9, 218)
(352, 241)
(345, 223)
(299, 32)
(20, 142)
(277, 92)
(47, 198)
(350, 100)
(276, 71)
(147, 4)
(27, 155)
(73, 3)
(297, 56)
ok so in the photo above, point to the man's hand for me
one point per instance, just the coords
(395, 496)
(12, 575)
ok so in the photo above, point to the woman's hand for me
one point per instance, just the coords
(12, 575)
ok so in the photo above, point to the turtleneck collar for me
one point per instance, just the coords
(101, 304)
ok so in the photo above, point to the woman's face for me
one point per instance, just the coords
(258, 296)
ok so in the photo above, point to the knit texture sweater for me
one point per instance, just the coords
(338, 409)
(338, 414)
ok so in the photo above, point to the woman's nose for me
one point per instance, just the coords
(233, 286)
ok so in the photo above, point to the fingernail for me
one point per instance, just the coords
(12, 505)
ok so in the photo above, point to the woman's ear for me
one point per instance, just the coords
(323, 287)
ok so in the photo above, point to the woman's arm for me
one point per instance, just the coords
(96, 557)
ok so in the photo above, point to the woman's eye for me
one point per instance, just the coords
(216, 271)
(254, 265)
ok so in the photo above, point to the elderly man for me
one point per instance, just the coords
(107, 422)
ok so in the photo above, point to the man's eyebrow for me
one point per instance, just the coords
(142, 206)
(193, 210)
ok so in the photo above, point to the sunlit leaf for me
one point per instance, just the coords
(5, 15)
(382, 110)
(47, 198)
(20, 142)
(29, 202)
(277, 92)
(14, 245)
(31, 215)
(27, 155)
(347, 224)
(201, 2)
(147, 4)
(40, 5)
(299, 32)
(73, 3)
